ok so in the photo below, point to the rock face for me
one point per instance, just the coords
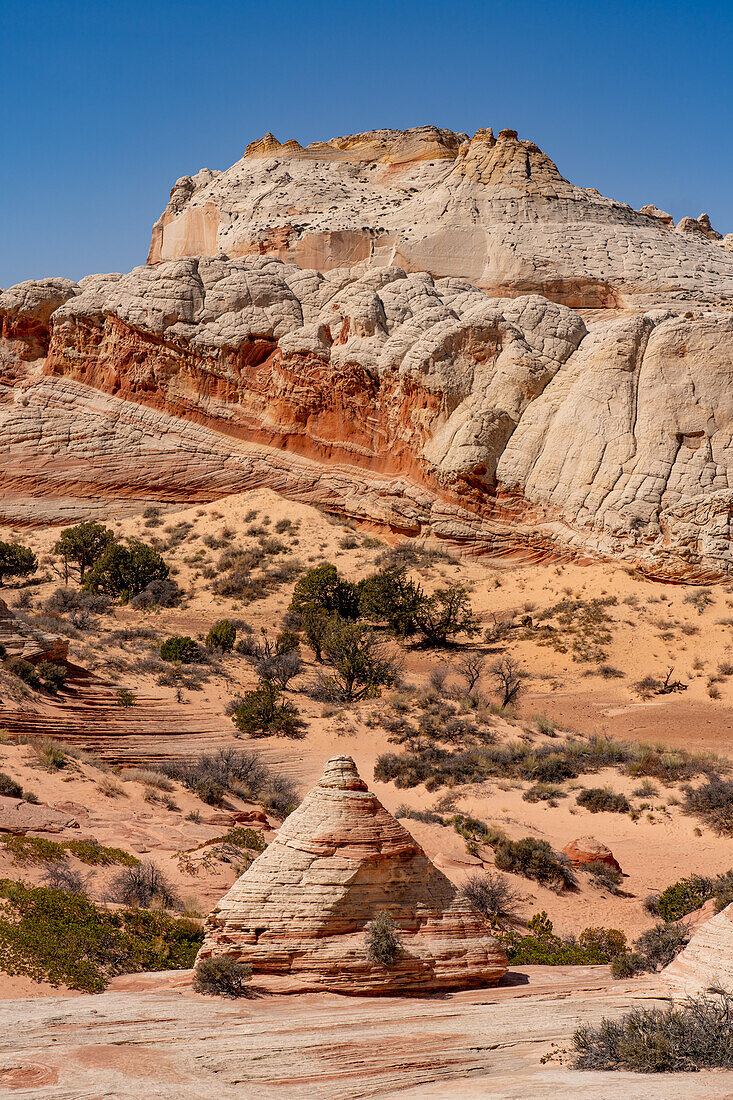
(589, 850)
(302, 907)
(382, 382)
(20, 817)
(425, 406)
(495, 211)
(707, 961)
(29, 643)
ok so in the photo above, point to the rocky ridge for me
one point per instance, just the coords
(493, 210)
(302, 907)
(420, 404)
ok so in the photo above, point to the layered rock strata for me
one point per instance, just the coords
(493, 210)
(707, 961)
(302, 907)
(422, 405)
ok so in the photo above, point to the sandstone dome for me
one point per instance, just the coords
(493, 210)
(301, 909)
(707, 961)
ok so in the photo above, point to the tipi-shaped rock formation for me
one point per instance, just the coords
(302, 907)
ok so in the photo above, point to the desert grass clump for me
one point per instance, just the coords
(686, 1038)
(712, 803)
(382, 941)
(222, 976)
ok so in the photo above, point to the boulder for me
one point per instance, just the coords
(589, 850)
(302, 908)
(20, 817)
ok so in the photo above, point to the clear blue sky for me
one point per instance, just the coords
(105, 104)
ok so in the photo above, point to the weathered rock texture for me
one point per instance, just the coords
(495, 211)
(707, 961)
(587, 850)
(21, 640)
(302, 907)
(421, 405)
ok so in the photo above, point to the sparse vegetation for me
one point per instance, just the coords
(180, 648)
(382, 941)
(222, 635)
(142, 886)
(125, 571)
(16, 560)
(685, 1038)
(222, 976)
(712, 802)
(535, 859)
(601, 799)
(494, 898)
(83, 545)
(263, 712)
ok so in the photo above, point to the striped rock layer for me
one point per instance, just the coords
(707, 961)
(301, 909)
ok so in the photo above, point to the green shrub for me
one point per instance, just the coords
(53, 936)
(9, 787)
(446, 613)
(210, 792)
(322, 589)
(16, 561)
(654, 949)
(361, 663)
(695, 1035)
(542, 947)
(535, 859)
(53, 676)
(249, 839)
(222, 976)
(179, 647)
(601, 799)
(389, 596)
(222, 636)
(382, 941)
(263, 713)
(126, 698)
(25, 671)
(684, 897)
(124, 571)
(32, 849)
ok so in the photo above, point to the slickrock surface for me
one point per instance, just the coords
(589, 850)
(421, 405)
(29, 643)
(495, 211)
(148, 1036)
(707, 961)
(20, 817)
(338, 860)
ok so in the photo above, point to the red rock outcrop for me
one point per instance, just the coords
(589, 850)
(492, 210)
(302, 907)
(424, 406)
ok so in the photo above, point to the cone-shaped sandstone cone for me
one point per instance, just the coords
(302, 907)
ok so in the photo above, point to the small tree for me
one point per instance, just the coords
(391, 597)
(281, 668)
(382, 941)
(83, 545)
(222, 636)
(179, 647)
(471, 668)
(263, 712)
(509, 677)
(315, 624)
(494, 898)
(124, 571)
(445, 614)
(361, 663)
(322, 589)
(16, 561)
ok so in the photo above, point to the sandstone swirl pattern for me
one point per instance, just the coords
(301, 909)
(412, 400)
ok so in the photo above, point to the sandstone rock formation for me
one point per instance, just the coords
(422, 405)
(587, 850)
(707, 961)
(19, 817)
(302, 907)
(495, 211)
(29, 643)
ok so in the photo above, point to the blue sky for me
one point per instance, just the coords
(105, 104)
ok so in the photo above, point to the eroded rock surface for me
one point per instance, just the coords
(501, 425)
(707, 961)
(495, 211)
(302, 907)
